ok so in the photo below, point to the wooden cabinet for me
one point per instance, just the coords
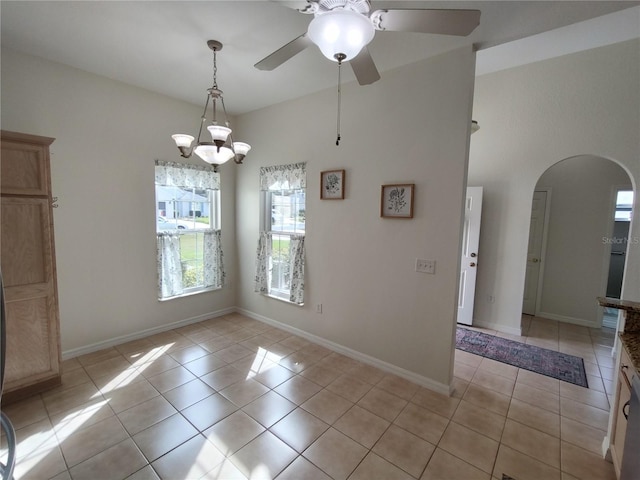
(27, 258)
(621, 409)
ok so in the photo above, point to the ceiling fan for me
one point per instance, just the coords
(343, 28)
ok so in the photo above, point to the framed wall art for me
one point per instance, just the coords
(332, 185)
(397, 201)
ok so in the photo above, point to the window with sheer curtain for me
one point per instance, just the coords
(188, 236)
(281, 251)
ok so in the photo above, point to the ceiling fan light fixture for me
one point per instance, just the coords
(340, 31)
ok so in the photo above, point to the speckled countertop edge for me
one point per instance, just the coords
(631, 343)
(628, 305)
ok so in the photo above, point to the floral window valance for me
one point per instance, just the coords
(183, 175)
(283, 177)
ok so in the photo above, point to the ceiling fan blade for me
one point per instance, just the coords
(300, 5)
(364, 68)
(443, 22)
(283, 54)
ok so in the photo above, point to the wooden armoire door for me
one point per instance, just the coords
(27, 258)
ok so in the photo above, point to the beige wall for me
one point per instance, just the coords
(410, 127)
(531, 117)
(108, 135)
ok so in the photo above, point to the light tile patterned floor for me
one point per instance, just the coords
(233, 398)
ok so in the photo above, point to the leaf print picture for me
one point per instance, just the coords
(397, 201)
(332, 185)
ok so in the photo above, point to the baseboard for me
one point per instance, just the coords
(112, 342)
(364, 358)
(498, 327)
(567, 319)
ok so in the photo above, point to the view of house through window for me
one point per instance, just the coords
(187, 227)
(188, 212)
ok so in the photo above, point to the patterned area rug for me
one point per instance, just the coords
(567, 368)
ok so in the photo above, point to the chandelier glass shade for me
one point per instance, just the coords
(221, 148)
(340, 33)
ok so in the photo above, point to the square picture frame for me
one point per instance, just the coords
(396, 200)
(332, 185)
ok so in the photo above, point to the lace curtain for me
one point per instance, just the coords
(283, 177)
(296, 269)
(169, 265)
(182, 175)
(214, 274)
(263, 264)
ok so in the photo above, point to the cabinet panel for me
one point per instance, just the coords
(619, 410)
(624, 395)
(24, 169)
(29, 330)
(25, 240)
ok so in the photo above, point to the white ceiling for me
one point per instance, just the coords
(161, 45)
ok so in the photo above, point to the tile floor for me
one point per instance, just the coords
(233, 398)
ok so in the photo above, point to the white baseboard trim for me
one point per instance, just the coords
(498, 327)
(364, 358)
(112, 342)
(566, 319)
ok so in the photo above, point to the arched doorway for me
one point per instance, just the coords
(569, 252)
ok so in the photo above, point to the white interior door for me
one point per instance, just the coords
(534, 252)
(469, 261)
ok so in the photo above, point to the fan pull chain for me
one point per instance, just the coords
(340, 57)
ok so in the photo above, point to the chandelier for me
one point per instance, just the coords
(222, 148)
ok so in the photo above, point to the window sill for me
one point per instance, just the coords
(190, 294)
(281, 299)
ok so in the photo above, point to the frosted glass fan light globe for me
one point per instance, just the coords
(341, 31)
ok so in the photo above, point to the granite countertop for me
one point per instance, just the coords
(631, 343)
(627, 305)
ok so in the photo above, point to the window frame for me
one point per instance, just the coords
(212, 209)
(272, 179)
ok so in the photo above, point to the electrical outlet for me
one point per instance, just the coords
(425, 266)
(318, 308)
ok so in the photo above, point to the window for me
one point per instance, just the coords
(187, 229)
(280, 262)
(624, 205)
